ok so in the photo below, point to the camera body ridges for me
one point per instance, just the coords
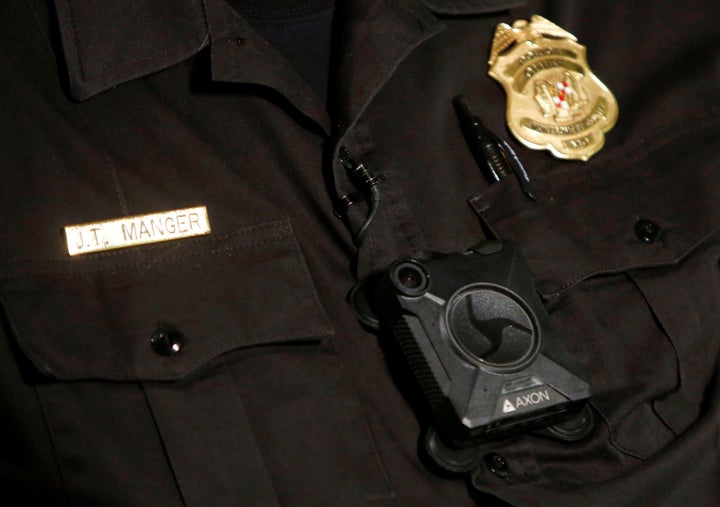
(479, 342)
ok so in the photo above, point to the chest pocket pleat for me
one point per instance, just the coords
(206, 437)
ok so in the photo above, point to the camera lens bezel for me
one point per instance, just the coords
(412, 266)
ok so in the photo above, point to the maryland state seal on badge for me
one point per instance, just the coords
(554, 101)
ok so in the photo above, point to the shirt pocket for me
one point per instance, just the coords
(611, 244)
(197, 372)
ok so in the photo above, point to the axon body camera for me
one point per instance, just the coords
(479, 343)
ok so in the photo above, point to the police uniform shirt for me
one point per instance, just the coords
(228, 368)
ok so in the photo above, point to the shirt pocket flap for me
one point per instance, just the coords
(609, 217)
(94, 317)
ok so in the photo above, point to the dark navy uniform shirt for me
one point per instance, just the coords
(277, 395)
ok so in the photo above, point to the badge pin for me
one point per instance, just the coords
(554, 101)
(137, 230)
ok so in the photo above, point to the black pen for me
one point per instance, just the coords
(493, 155)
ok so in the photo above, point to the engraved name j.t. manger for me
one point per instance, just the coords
(137, 230)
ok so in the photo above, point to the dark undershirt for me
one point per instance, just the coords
(301, 30)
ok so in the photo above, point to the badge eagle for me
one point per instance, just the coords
(554, 101)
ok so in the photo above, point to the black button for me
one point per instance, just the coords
(647, 230)
(166, 341)
(497, 464)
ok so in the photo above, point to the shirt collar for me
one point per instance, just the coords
(108, 42)
(467, 7)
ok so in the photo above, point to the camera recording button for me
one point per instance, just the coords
(492, 327)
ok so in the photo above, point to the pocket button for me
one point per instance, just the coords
(647, 230)
(166, 341)
(497, 465)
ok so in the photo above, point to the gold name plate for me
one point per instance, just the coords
(137, 230)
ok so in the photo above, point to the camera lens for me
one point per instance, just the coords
(410, 278)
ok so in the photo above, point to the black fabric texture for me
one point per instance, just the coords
(277, 395)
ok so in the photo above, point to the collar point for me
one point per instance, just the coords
(81, 91)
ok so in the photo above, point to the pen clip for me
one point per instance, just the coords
(517, 167)
(494, 155)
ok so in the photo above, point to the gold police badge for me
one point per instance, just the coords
(554, 101)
